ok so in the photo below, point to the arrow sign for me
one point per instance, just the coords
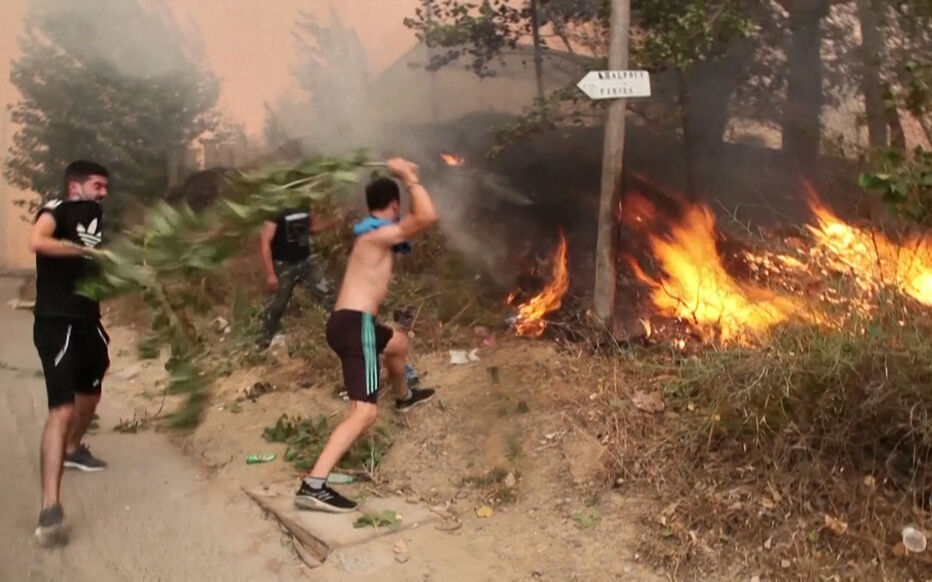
(615, 84)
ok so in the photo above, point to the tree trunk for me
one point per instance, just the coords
(711, 86)
(689, 137)
(538, 58)
(871, 84)
(612, 156)
(802, 127)
(432, 75)
(894, 123)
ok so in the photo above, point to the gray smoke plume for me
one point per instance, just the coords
(395, 113)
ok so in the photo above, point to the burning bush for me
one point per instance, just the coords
(816, 448)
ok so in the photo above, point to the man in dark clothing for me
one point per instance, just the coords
(72, 344)
(286, 255)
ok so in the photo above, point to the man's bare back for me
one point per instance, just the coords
(368, 273)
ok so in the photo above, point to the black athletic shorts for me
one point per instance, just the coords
(359, 340)
(74, 354)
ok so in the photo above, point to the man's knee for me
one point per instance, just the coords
(366, 414)
(61, 415)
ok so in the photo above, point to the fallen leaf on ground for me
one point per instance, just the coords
(484, 511)
(373, 519)
(588, 519)
(648, 402)
(836, 526)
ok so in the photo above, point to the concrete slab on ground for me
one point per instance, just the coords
(321, 533)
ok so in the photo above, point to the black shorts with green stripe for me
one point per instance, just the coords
(359, 340)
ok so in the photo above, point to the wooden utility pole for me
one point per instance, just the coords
(613, 152)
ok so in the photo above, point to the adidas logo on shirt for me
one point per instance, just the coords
(90, 235)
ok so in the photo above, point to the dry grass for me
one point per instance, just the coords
(758, 449)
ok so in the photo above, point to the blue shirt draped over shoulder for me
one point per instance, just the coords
(370, 223)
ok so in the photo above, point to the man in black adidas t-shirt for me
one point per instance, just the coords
(286, 255)
(72, 344)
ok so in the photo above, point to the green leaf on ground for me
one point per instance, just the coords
(588, 519)
(387, 518)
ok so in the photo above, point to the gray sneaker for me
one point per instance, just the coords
(83, 460)
(51, 530)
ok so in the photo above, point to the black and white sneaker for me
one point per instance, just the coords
(418, 396)
(82, 459)
(51, 529)
(323, 499)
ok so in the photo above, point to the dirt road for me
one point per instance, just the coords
(151, 516)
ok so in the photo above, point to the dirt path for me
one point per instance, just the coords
(443, 455)
(152, 516)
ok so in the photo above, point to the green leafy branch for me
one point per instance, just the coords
(905, 183)
(175, 248)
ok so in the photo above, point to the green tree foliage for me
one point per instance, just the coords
(107, 80)
(905, 182)
(679, 34)
(669, 35)
(904, 178)
(477, 32)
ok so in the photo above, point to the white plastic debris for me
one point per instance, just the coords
(914, 540)
(462, 357)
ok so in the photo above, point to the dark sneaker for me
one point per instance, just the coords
(51, 530)
(323, 499)
(82, 459)
(418, 396)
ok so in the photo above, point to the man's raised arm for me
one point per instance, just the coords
(422, 214)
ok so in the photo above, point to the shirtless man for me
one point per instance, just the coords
(354, 334)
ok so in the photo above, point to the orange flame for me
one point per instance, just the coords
(696, 287)
(452, 160)
(530, 318)
(870, 257)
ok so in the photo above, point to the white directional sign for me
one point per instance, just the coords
(615, 84)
